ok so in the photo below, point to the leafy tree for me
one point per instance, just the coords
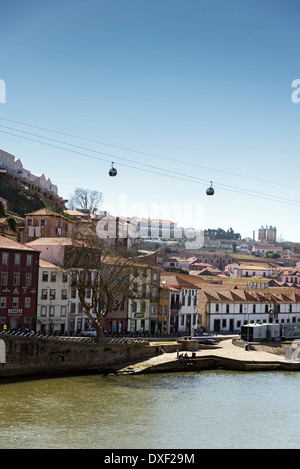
(220, 233)
(12, 224)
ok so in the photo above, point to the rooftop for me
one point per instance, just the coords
(7, 243)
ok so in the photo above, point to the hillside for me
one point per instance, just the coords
(21, 200)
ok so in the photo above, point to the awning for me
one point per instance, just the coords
(52, 321)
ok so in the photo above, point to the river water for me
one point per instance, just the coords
(211, 409)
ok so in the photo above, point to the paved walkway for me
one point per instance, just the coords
(225, 349)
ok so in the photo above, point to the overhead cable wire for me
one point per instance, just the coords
(152, 154)
(220, 185)
(179, 175)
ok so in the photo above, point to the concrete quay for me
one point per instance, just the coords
(226, 355)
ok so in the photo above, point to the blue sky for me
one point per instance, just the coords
(203, 85)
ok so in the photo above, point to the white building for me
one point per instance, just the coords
(53, 299)
(188, 313)
(226, 311)
(78, 320)
(263, 249)
(252, 270)
(290, 276)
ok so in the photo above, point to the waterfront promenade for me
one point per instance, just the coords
(225, 355)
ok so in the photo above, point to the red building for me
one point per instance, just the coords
(19, 267)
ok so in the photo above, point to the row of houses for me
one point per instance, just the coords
(14, 168)
(36, 293)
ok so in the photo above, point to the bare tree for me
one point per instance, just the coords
(85, 199)
(109, 273)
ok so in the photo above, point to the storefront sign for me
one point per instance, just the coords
(15, 311)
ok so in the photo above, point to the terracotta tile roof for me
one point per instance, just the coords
(242, 296)
(47, 264)
(51, 241)
(8, 243)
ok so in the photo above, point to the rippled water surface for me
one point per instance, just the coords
(214, 409)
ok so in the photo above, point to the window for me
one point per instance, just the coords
(29, 259)
(241, 308)
(5, 258)
(134, 307)
(15, 302)
(27, 302)
(73, 293)
(29, 222)
(28, 280)
(72, 308)
(217, 308)
(53, 277)
(227, 308)
(4, 277)
(64, 294)
(16, 278)
(64, 277)
(43, 222)
(52, 310)
(17, 259)
(254, 308)
(52, 294)
(63, 311)
(3, 302)
(45, 276)
(44, 294)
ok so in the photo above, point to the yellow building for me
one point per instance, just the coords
(163, 309)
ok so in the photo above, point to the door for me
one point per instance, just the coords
(14, 322)
(217, 325)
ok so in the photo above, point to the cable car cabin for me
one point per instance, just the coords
(112, 172)
(256, 332)
(210, 190)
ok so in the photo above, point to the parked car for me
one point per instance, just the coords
(89, 332)
(208, 341)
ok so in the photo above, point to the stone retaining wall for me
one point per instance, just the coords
(25, 357)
